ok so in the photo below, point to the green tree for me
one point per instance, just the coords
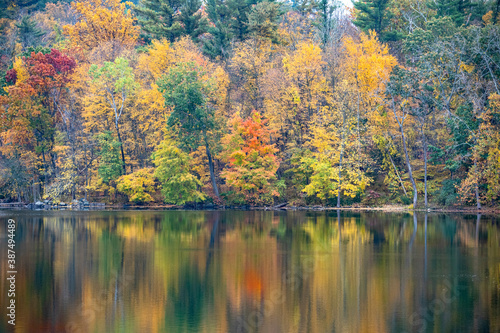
(496, 10)
(28, 33)
(221, 33)
(326, 22)
(171, 19)
(179, 185)
(305, 7)
(230, 19)
(239, 10)
(193, 23)
(375, 15)
(137, 185)
(186, 92)
(263, 20)
(115, 82)
(110, 165)
(460, 11)
(157, 18)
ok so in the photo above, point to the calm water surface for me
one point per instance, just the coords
(232, 271)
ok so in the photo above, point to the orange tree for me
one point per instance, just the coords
(251, 162)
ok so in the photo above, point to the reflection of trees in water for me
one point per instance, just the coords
(187, 300)
(193, 268)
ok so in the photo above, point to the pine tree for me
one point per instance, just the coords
(192, 22)
(230, 19)
(9, 8)
(460, 11)
(305, 7)
(219, 15)
(157, 18)
(4, 8)
(374, 15)
(326, 21)
(239, 13)
(496, 10)
(28, 33)
(263, 20)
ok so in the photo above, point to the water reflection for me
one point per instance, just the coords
(254, 272)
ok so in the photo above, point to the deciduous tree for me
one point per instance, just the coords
(185, 91)
(251, 162)
(179, 185)
(102, 21)
(114, 82)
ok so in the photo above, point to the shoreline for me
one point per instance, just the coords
(386, 208)
(316, 208)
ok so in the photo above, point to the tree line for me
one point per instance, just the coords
(249, 102)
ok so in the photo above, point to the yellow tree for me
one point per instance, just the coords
(251, 61)
(161, 55)
(332, 161)
(148, 116)
(102, 21)
(302, 92)
(367, 66)
(149, 110)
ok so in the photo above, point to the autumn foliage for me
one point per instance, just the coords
(102, 21)
(251, 161)
(222, 102)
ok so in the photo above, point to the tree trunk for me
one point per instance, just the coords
(340, 162)
(478, 201)
(359, 136)
(397, 174)
(33, 187)
(212, 172)
(410, 172)
(425, 170)
(86, 172)
(121, 147)
(45, 170)
(340, 175)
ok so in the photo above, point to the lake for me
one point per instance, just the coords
(251, 271)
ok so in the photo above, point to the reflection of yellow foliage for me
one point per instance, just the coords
(292, 281)
(354, 233)
(135, 231)
(351, 233)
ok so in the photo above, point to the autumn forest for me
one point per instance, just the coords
(251, 102)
